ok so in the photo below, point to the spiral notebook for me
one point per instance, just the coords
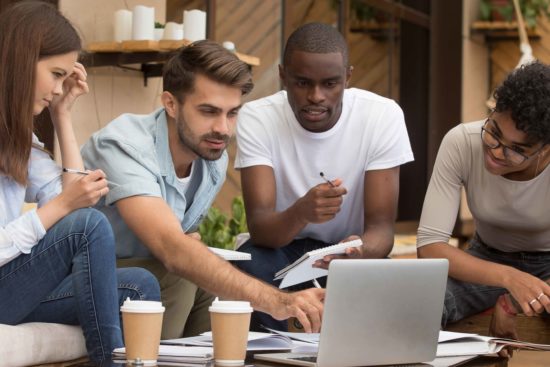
(302, 270)
(230, 255)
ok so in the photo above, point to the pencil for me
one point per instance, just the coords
(80, 172)
(327, 180)
(316, 283)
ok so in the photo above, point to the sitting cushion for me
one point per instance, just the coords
(36, 343)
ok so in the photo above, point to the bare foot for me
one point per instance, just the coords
(503, 323)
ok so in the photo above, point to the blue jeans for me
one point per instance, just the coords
(464, 299)
(265, 263)
(70, 278)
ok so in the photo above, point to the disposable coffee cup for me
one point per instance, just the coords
(230, 321)
(142, 325)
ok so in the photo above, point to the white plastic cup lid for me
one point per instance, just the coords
(141, 306)
(230, 306)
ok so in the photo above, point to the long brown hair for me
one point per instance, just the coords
(29, 31)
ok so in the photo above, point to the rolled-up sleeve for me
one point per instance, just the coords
(20, 235)
(128, 168)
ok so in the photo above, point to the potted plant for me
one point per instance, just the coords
(159, 31)
(503, 10)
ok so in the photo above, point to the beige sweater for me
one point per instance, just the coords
(509, 215)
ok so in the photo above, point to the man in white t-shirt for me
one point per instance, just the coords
(355, 139)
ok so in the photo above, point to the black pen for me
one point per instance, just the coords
(80, 172)
(324, 178)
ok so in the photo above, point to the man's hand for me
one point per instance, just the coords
(322, 202)
(350, 253)
(306, 306)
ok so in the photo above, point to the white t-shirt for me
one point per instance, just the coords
(509, 215)
(370, 135)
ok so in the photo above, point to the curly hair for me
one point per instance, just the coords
(526, 95)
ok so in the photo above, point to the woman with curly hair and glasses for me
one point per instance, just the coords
(57, 262)
(502, 163)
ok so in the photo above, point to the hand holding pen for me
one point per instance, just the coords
(85, 173)
(84, 191)
(322, 202)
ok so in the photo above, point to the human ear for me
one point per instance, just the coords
(348, 74)
(170, 103)
(282, 75)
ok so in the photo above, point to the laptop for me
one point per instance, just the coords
(377, 312)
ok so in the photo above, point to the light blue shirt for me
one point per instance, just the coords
(134, 153)
(19, 233)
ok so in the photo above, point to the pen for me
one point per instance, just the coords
(316, 283)
(324, 178)
(79, 172)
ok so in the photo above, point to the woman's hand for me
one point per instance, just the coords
(531, 293)
(74, 86)
(84, 191)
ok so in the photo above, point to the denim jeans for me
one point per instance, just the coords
(70, 278)
(265, 263)
(463, 299)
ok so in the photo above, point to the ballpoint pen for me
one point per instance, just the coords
(80, 172)
(327, 180)
(316, 283)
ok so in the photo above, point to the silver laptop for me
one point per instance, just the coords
(377, 312)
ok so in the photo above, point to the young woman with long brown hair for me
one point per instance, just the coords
(57, 262)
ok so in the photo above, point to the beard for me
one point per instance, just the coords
(191, 141)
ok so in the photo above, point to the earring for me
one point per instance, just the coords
(537, 167)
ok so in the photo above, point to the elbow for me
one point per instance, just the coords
(169, 264)
(422, 253)
(431, 251)
(264, 241)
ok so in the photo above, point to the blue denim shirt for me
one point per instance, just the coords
(134, 153)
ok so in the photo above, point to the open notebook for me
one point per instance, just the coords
(302, 270)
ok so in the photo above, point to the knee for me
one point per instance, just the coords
(139, 283)
(94, 224)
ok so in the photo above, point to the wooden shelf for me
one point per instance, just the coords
(115, 53)
(501, 31)
(150, 54)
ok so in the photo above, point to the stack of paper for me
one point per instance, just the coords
(256, 341)
(176, 355)
(461, 344)
(302, 269)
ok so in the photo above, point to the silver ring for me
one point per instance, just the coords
(540, 296)
(533, 301)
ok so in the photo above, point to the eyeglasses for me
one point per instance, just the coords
(511, 155)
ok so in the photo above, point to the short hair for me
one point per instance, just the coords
(526, 95)
(29, 32)
(316, 38)
(209, 59)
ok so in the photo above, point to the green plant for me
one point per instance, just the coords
(159, 25)
(217, 231)
(530, 9)
(359, 10)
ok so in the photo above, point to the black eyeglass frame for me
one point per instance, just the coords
(505, 148)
